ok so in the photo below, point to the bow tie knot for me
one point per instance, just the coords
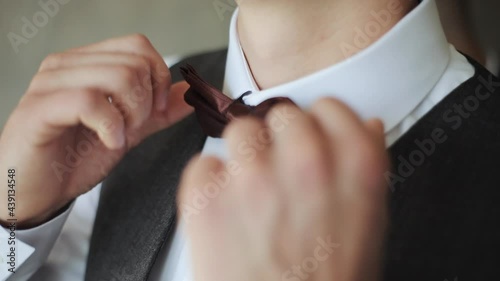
(214, 109)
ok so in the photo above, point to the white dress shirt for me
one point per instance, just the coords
(399, 78)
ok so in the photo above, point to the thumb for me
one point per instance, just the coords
(177, 108)
(175, 111)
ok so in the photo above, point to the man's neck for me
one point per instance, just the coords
(284, 40)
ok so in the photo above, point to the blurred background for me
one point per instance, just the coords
(175, 27)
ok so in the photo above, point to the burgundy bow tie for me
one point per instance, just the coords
(214, 109)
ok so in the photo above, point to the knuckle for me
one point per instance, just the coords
(325, 104)
(311, 165)
(51, 61)
(87, 100)
(281, 116)
(162, 71)
(140, 63)
(331, 107)
(242, 126)
(26, 105)
(281, 108)
(38, 80)
(143, 64)
(24, 101)
(161, 74)
(139, 40)
(125, 73)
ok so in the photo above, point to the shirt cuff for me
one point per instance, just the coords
(25, 251)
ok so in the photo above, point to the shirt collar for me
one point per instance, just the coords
(387, 80)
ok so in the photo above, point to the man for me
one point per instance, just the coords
(383, 59)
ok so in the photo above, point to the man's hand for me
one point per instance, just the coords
(84, 109)
(310, 204)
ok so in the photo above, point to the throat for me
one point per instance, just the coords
(284, 40)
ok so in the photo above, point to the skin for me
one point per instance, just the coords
(284, 41)
(458, 28)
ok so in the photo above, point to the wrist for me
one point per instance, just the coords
(25, 219)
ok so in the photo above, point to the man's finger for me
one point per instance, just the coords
(302, 166)
(140, 45)
(248, 143)
(299, 153)
(196, 180)
(360, 162)
(60, 110)
(77, 59)
(118, 82)
(176, 110)
(209, 221)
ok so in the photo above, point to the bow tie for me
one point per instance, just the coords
(214, 109)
